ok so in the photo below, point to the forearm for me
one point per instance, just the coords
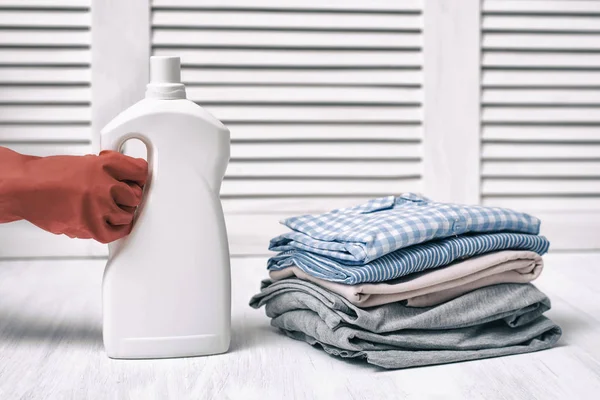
(12, 183)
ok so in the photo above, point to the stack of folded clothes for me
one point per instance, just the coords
(405, 281)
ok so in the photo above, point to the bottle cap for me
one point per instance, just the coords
(165, 69)
(165, 78)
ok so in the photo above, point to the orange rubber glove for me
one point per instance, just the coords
(79, 196)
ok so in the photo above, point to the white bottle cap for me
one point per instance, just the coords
(165, 78)
(165, 70)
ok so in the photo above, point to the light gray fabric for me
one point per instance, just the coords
(488, 322)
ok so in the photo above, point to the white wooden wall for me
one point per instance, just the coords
(329, 102)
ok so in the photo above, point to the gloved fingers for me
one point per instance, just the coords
(107, 221)
(127, 208)
(114, 225)
(118, 216)
(125, 168)
(125, 194)
(110, 233)
(137, 189)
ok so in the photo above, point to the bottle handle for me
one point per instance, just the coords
(115, 143)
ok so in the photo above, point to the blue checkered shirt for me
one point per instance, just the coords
(406, 261)
(360, 234)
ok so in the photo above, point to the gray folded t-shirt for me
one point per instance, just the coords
(488, 322)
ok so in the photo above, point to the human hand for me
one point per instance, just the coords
(92, 196)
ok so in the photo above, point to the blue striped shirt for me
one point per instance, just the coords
(360, 234)
(408, 260)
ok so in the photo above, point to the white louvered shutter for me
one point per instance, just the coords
(541, 114)
(44, 98)
(323, 100)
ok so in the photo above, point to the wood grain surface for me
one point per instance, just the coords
(51, 347)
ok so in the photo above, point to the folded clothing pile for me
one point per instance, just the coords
(405, 281)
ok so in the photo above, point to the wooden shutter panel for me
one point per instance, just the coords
(541, 114)
(44, 99)
(323, 100)
(45, 75)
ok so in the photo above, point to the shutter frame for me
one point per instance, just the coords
(540, 118)
(45, 102)
(452, 102)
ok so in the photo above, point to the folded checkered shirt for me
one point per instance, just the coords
(360, 234)
(412, 259)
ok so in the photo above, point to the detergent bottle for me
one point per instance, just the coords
(167, 289)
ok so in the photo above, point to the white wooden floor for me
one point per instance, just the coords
(51, 347)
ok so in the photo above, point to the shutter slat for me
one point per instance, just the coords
(541, 133)
(287, 20)
(45, 75)
(329, 132)
(325, 151)
(289, 205)
(49, 4)
(541, 203)
(542, 114)
(219, 38)
(28, 94)
(327, 169)
(40, 19)
(340, 5)
(570, 42)
(290, 77)
(316, 114)
(308, 187)
(541, 96)
(45, 133)
(294, 94)
(541, 187)
(71, 113)
(53, 38)
(43, 150)
(541, 78)
(540, 151)
(525, 23)
(541, 169)
(25, 56)
(499, 59)
(294, 58)
(540, 6)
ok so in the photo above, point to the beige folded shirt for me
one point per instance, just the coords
(437, 285)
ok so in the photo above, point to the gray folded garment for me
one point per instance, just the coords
(491, 321)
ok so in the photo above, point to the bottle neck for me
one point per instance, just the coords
(165, 91)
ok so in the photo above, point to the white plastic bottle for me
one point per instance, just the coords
(167, 288)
